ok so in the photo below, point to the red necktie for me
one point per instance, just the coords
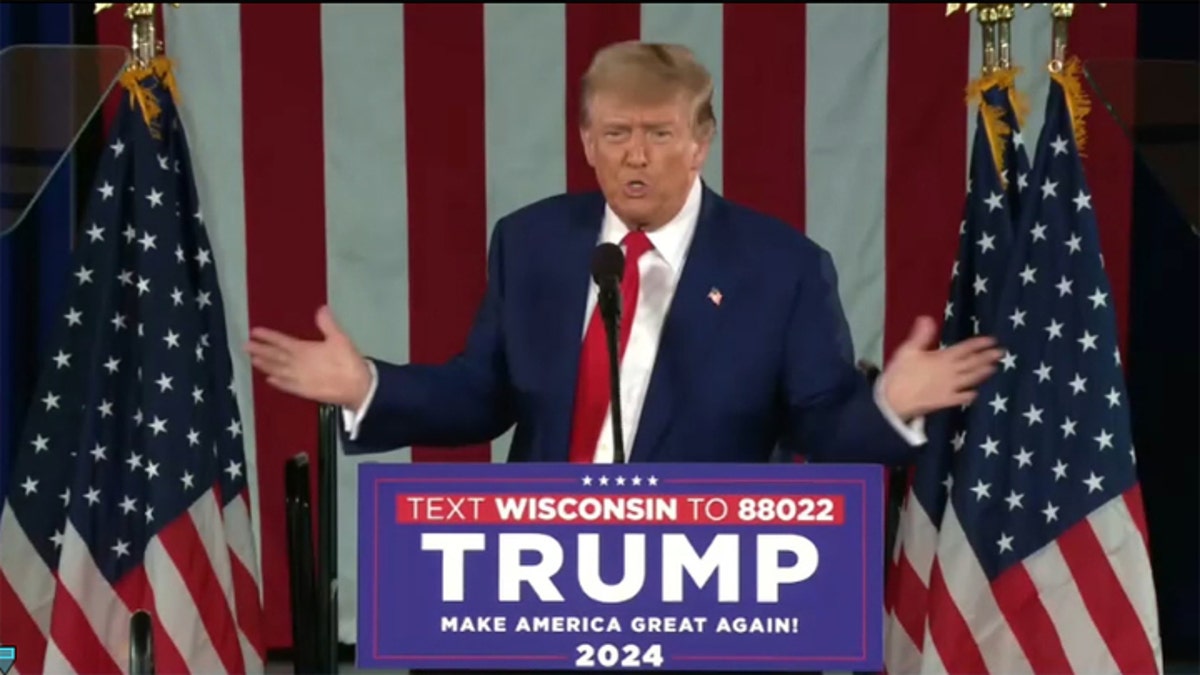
(592, 396)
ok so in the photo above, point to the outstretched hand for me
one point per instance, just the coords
(920, 378)
(330, 370)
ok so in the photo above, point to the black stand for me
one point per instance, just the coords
(314, 569)
(300, 565)
(611, 300)
(327, 574)
(141, 644)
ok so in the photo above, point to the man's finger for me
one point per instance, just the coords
(287, 384)
(970, 346)
(276, 339)
(269, 367)
(972, 378)
(978, 360)
(960, 399)
(295, 387)
(269, 353)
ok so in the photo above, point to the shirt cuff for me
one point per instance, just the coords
(351, 419)
(913, 432)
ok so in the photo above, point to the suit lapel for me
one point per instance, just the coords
(689, 326)
(572, 272)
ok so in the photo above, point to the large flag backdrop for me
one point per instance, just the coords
(358, 155)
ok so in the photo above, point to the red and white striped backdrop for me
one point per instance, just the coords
(358, 155)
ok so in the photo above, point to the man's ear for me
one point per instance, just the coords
(585, 137)
(700, 153)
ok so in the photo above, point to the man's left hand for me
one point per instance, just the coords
(920, 378)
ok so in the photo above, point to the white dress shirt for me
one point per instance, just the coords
(660, 269)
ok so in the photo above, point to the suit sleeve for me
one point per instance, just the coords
(832, 410)
(461, 402)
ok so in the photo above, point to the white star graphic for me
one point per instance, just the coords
(1060, 146)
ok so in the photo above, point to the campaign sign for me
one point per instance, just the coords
(546, 566)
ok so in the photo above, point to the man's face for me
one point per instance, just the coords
(645, 156)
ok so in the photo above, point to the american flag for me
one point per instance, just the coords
(129, 487)
(1022, 547)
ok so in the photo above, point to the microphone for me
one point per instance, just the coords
(608, 266)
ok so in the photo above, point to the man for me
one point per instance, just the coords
(735, 344)
(734, 341)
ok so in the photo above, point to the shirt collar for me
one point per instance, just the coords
(672, 239)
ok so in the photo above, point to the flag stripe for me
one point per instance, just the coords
(526, 156)
(1103, 594)
(188, 548)
(136, 593)
(962, 597)
(1023, 606)
(246, 581)
(366, 238)
(948, 634)
(75, 644)
(89, 621)
(285, 254)
(26, 594)
(697, 25)
(1117, 533)
(846, 135)
(1050, 580)
(447, 194)
(590, 27)
(764, 101)
(926, 59)
(185, 623)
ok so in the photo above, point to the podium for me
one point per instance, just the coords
(532, 567)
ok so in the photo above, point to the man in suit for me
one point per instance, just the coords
(734, 342)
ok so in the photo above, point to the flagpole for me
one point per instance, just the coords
(1061, 12)
(1003, 28)
(143, 38)
(986, 15)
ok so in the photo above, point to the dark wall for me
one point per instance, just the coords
(1164, 376)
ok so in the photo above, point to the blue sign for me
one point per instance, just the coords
(540, 566)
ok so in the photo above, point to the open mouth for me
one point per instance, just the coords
(635, 188)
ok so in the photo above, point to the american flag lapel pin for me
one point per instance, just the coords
(715, 296)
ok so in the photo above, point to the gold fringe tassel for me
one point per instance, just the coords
(994, 124)
(140, 95)
(1007, 81)
(1078, 102)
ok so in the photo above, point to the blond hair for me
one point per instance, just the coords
(652, 73)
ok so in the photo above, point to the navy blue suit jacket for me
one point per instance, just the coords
(771, 366)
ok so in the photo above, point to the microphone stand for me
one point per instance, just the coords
(610, 299)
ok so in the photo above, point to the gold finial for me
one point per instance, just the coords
(1003, 26)
(1062, 10)
(144, 42)
(1057, 8)
(1062, 13)
(986, 15)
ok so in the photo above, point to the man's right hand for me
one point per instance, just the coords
(328, 371)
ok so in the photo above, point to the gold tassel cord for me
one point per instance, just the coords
(997, 130)
(1078, 102)
(133, 79)
(1006, 80)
